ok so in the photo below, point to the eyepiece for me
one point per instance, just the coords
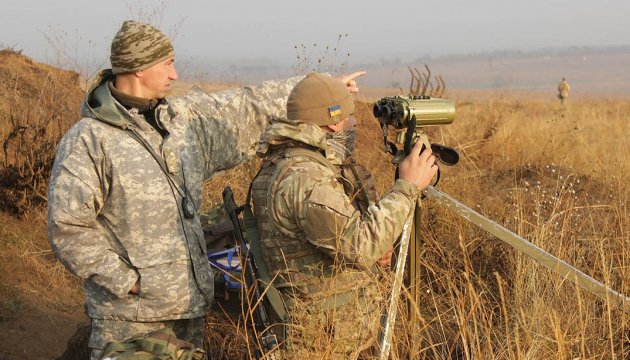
(377, 110)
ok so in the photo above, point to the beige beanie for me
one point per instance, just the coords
(319, 99)
(138, 46)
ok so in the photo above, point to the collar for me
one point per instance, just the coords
(132, 102)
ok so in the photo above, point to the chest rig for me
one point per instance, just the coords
(296, 261)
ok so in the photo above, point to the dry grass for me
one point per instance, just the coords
(38, 103)
(557, 176)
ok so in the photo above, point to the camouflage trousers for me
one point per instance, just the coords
(344, 326)
(104, 331)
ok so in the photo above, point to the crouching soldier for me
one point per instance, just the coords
(322, 234)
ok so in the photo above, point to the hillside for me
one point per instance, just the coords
(40, 302)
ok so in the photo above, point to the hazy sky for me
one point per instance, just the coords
(252, 30)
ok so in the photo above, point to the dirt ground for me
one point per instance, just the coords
(38, 314)
(49, 329)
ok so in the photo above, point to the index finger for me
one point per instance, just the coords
(350, 77)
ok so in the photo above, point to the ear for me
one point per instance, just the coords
(139, 74)
(336, 127)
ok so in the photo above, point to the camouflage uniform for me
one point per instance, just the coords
(319, 244)
(114, 216)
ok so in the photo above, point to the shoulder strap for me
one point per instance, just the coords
(363, 197)
(313, 155)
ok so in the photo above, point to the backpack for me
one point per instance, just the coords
(156, 345)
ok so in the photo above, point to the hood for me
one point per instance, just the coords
(99, 103)
(281, 131)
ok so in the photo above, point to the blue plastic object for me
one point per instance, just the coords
(228, 263)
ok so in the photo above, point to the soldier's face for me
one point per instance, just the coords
(156, 80)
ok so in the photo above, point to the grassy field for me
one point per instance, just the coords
(555, 175)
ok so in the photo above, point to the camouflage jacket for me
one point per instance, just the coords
(310, 228)
(115, 217)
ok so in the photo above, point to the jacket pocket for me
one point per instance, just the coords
(167, 290)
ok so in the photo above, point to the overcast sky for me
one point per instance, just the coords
(212, 30)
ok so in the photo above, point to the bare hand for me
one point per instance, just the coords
(418, 168)
(386, 259)
(350, 82)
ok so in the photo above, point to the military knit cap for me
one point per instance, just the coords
(138, 46)
(319, 99)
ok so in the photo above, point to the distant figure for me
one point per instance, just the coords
(563, 90)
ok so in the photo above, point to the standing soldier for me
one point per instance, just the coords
(563, 90)
(323, 230)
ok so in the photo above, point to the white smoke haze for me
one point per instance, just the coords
(248, 41)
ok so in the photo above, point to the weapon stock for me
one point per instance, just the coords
(262, 330)
(534, 252)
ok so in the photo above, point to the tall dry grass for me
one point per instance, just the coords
(556, 176)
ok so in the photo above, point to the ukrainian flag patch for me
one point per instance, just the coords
(334, 110)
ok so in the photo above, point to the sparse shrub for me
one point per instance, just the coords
(321, 58)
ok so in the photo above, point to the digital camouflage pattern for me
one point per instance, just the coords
(113, 215)
(318, 243)
(138, 46)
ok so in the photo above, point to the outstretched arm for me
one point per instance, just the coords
(228, 124)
